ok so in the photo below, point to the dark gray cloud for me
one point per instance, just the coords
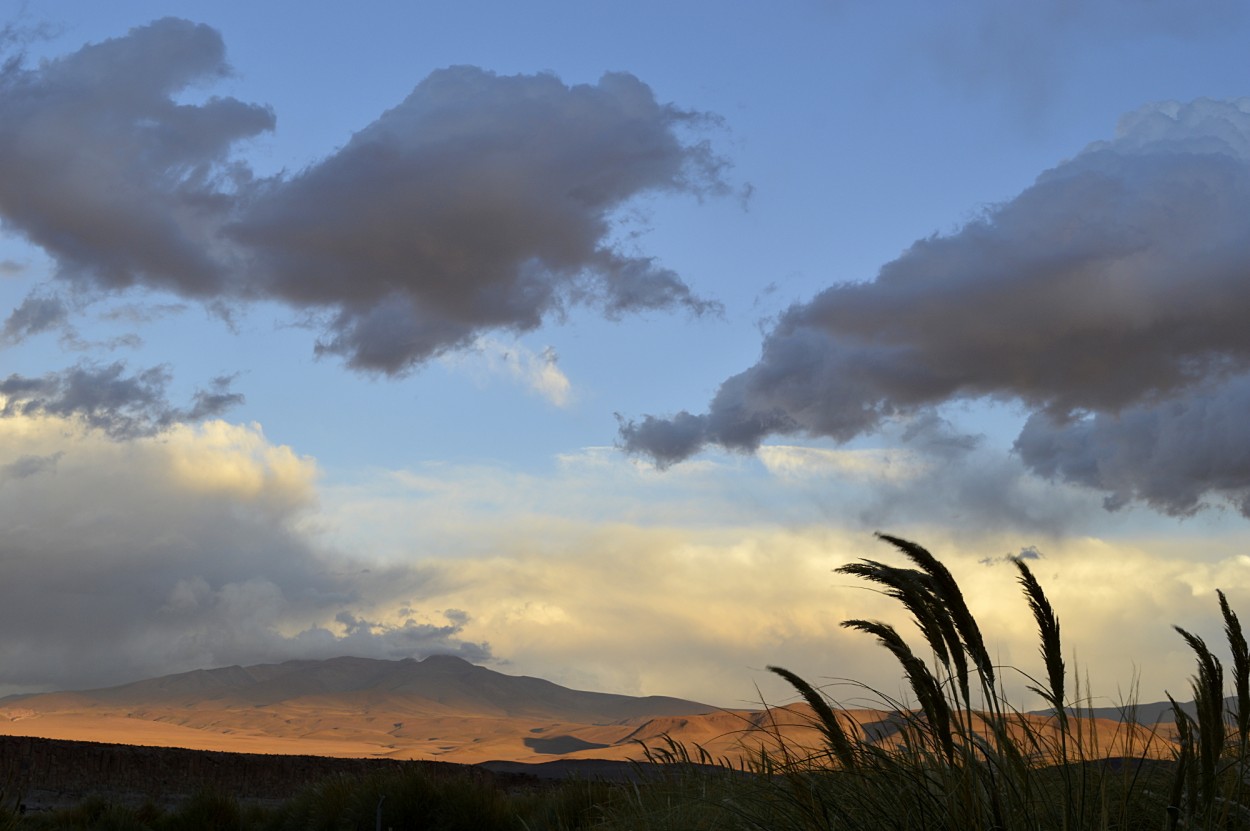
(1028, 552)
(71, 340)
(112, 176)
(1173, 454)
(214, 401)
(47, 311)
(139, 558)
(400, 640)
(11, 268)
(1119, 280)
(107, 398)
(143, 312)
(36, 314)
(479, 202)
(24, 466)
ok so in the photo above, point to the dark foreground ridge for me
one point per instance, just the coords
(44, 774)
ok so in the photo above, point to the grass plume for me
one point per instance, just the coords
(1241, 672)
(1051, 645)
(963, 764)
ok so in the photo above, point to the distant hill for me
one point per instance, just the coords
(442, 708)
(1156, 712)
(438, 685)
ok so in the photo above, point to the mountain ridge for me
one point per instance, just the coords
(440, 708)
(443, 679)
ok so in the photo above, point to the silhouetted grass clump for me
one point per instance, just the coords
(965, 758)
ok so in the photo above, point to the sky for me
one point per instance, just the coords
(586, 341)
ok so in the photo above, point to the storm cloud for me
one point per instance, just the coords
(126, 559)
(479, 203)
(1116, 286)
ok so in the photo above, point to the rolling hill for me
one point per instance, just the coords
(441, 708)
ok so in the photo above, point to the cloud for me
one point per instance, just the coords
(1022, 50)
(106, 398)
(1028, 552)
(214, 401)
(1118, 280)
(196, 548)
(875, 464)
(538, 372)
(972, 488)
(209, 545)
(24, 466)
(143, 312)
(543, 375)
(113, 177)
(712, 589)
(11, 268)
(479, 203)
(1171, 453)
(43, 311)
(407, 636)
(37, 313)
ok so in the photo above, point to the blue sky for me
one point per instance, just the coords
(612, 379)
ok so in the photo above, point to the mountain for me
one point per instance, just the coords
(442, 707)
(447, 709)
(438, 685)
(1156, 712)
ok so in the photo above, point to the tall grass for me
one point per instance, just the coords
(965, 757)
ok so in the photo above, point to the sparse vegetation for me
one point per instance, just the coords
(409, 799)
(963, 757)
(461, 802)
